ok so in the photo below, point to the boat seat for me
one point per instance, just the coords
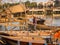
(5, 34)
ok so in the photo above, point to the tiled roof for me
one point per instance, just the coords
(17, 8)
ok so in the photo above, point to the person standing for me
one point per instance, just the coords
(34, 22)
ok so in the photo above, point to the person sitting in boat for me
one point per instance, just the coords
(57, 35)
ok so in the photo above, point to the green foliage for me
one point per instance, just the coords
(30, 4)
(27, 3)
(6, 5)
(40, 5)
(33, 4)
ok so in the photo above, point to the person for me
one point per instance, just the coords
(34, 22)
(34, 19)
(56, 35)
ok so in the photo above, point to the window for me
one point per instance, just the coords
(17, 14)
(29, 12)
(49, 12)
(40, 6)
(34, 12)
(23, 14)
(3, 16)
(40, 12)
(56, 12)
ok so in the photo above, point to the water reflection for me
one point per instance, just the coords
(53, 21)
(49, 21)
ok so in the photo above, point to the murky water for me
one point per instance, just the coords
(49, 21)
(53, 21)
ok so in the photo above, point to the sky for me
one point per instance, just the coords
(5, 1)
(38, 0)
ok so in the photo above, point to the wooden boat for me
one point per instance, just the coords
(13, 42)
(45, 27)
(23, 40)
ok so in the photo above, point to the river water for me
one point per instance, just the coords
(53, 21)
(49, 21)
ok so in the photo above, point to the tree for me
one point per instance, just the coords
(40, 5)
(30, 5)
(27, 4)
(33, 5)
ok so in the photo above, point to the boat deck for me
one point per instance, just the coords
(35, 38)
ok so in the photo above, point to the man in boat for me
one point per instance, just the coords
(34, 22)
(37, 20)
(57, 35)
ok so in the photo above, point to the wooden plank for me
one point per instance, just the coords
(52, 44)
(37, 43)
(24, 43)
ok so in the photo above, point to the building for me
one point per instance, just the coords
(13, 15)
(16, 11)
(56, 12)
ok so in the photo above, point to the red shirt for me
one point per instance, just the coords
(56, 35)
